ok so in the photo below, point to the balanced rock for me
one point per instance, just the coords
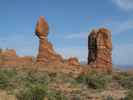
(100, 49)
(46, 52)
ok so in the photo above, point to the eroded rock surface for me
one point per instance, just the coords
(73, 61)
(46, 52)
(100, 49)
(9, 57)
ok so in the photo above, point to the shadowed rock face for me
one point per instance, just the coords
(92, 47)
(46, 52)
(100, 49)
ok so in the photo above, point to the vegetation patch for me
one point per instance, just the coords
(31, 85)
(125, 80)
(95, 80)
(129, 96)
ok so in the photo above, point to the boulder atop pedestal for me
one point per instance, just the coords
(42, 28)
(46, 52)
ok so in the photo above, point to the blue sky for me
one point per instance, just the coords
(70, 22)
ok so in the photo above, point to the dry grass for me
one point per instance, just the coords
(32, 83)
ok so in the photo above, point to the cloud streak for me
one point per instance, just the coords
(126, 5)
(117, 27)
(122, 26)
(121, 54)
(80, 35)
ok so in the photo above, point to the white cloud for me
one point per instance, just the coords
(80, 35)
(122, 26)
(123, 54)
(117, 27)
(124, 4)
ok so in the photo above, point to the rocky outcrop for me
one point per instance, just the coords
(73, 61)
(46, 52)
(8, 53)
(92, 47)
(9, 57)
(25, 60)
(100, 49)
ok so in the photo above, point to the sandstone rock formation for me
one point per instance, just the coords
(46, 52)
(24, 60)
(73, 61)
(8, 53)
(9, 57)
(92, 47)
(100, 49)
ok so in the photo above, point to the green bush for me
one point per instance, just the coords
(125, 80)
(62, 77)
(33, 92)
(6, 77)
(109, 98)
(129, 95)
(39, 77)
(54, 95)
(38, 92)
(3, 81)
(94, 80)
(28, 85)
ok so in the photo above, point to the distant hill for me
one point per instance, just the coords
(123, 67)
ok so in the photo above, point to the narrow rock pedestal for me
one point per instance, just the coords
(100, 49)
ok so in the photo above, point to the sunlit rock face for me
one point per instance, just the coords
(73, 61)
(46, 52)
(100, 49)
(9, 57)
(42, 28)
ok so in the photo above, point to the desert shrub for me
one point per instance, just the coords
(52, 74)
(3, 81)
(34, 86)
(38, 92)
(39, 77)
(95, 80)
(77, 97)
(129, 95)
(33, 92)
(6, 77)
(28, 77)
(55, 95)
(65, 78)
(58, 77)
(125, 80)
(109, 98)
